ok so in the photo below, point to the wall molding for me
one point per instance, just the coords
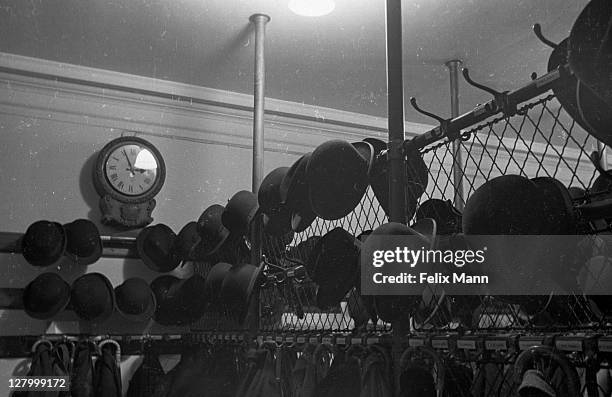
(97, 85)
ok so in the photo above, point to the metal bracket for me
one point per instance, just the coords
(501, 99)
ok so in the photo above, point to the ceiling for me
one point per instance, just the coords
(335, 61)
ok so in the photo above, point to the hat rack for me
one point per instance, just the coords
(112, 246)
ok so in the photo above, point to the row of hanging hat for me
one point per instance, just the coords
(513, 204)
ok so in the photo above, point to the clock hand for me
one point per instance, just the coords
(129, 162)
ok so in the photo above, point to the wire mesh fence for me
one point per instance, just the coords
(540, 140)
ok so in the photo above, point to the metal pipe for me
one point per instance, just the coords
(260, 21)
(395, 103)
(453, 68)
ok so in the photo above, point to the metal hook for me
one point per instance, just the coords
(537, 29)
(466, 76)
(416, 107)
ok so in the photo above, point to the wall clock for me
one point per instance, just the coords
(128, 173)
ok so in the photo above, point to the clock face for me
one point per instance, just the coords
(131, 169)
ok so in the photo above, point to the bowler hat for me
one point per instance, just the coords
(565, 89)
(558, 206)
(93, 297)
(83, 241)
(214, 281)
(415, 182)
(165, 312)
(392, 307)
(507, 204)
(447, 217)
(45, 296)
(44, 243)
(268, 195)
(187, 242)
(294, 193)
(337, 175)
(336, 266)
(239, 212)
(135, 300)
(277, 215)
(211, 229)
(305, 252)
(590, 48)
(156, 247)
(186, 298)
(239, 285)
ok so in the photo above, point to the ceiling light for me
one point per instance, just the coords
(312, 8)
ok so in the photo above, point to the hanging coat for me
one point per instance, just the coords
(81, 382)
(343, 378)
(42, 365)
(458, 380)
(62, 365)
(309, 370)
(147, 376)
(252, 373)
(376, 375)
(107, 376)
(284, 366)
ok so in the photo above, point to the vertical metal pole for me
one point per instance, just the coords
(397, 167)
(395, 103)
(260, 21)
(459, 201)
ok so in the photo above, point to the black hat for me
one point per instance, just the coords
(590, 48)
(392, 307)
(447, 217)
(336, 266)
(214, 281)
(186, 299)
(93, 297)
(211, 229)
(239, 284)
(417, 178)
(44, 243)
(558, 206)
(135, 300)
(277, 219)
(45, 296)
(187, 242)
(239, 212)
(337, 175)
(294, 193)
(165, 312)
(507, 204)
(83, 241)
(156, 247)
